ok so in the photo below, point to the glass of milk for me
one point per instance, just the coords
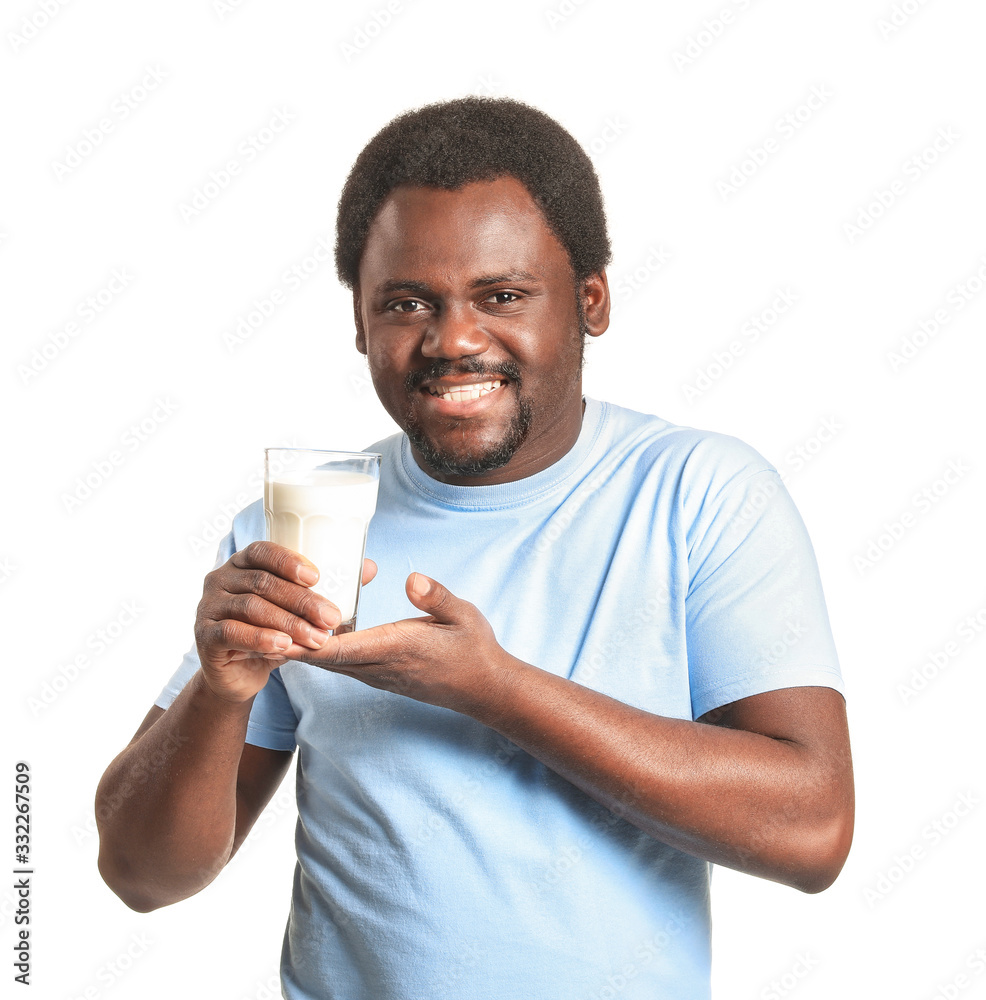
(319, 503)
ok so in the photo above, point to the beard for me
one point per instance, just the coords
(481, 456)
(487, 456)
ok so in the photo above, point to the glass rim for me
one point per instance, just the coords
(342, 455)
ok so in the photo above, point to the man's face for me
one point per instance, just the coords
(469, 318)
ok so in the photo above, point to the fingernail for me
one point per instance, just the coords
(421, 585)
(317, 638)
(308, 575)
(282, 641)
(329, 614)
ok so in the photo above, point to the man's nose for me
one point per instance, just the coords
(454, 333)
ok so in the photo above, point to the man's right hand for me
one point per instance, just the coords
(258, 611)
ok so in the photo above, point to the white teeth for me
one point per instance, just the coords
(466, 393)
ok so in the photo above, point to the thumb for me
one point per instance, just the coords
(429, 595)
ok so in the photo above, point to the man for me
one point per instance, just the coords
(609, 667)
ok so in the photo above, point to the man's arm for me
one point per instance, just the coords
(763, 785)
(174, 806)
(767, 790)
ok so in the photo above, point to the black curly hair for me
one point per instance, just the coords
(452, 143)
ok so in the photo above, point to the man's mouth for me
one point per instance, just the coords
(453, 393)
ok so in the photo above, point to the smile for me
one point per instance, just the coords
(463, 393)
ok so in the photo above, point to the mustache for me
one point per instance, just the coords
(439, 369)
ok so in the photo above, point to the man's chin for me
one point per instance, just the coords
(471, 458)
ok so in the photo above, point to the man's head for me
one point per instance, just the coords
(476, 263)
(452, 143)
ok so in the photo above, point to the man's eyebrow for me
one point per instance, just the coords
(399, 285)
(420, 288)
(503, 279)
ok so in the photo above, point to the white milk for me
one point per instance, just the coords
(324, 514)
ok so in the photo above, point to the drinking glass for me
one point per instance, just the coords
(319, 503)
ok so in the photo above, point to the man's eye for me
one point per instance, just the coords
(503, 298)
(407, 306)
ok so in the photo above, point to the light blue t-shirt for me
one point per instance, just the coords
(664, 566)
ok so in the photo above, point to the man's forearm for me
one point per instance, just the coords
(763, 805)
(166, 806)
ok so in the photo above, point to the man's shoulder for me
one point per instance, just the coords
(697, 452)
(249, 525)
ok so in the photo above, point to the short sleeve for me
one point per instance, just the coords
(272, 717)
(190, 661)
(755, 612)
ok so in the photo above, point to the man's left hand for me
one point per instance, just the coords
(449, 657)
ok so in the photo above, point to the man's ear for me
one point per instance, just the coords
(595, 303)
(358, 319)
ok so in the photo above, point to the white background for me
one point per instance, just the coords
(666, 135)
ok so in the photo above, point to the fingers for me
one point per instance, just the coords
(255, 604)
(254, 610)
(376, 645)
(260, 603)
(429, 595)
(270, 571)
(277, 559)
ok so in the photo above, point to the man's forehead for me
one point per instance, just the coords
(502, 196)
(491, 226)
